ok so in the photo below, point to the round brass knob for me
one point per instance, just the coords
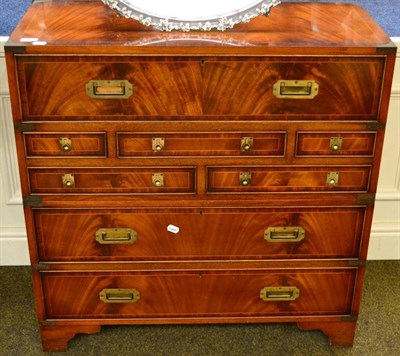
(65, 144)
(245, 182)
(335, 148)
(68, 183)
(157, 183)
(158, 148)
(332, 182)
(246, 147)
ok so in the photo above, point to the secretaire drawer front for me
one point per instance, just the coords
(335, 143)
(170, 234)
(112, 180)
(288, 179)
(206, 144)
(294, 86)
(208, 293)
(99, 87)
(65, 144)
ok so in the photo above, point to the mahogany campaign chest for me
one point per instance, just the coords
(217, 177)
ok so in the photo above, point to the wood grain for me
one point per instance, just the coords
(76, 295)
(65, 235)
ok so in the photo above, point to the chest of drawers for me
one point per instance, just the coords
(198, 177)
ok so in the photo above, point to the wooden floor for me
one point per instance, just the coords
(378, 331)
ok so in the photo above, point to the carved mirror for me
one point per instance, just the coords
(191, 15)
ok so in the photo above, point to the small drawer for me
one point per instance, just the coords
(306, 292)
(206, 144)
(112, 180)
(183, 233)
(288, 179)
(65, 144)
(335, 143)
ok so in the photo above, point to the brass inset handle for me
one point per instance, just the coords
(68, 180)
(109, 295)
(109, 89)
(272, 294)
(335, 144)
(116, 236)
(65, 144)
(296, 89)
(284, 234)
(246, 144)
(245, 179)
(157, 144)
(332, 179)
(157, 180)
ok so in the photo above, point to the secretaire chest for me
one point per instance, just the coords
(201, 177)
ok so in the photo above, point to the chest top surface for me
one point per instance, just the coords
(331, 27)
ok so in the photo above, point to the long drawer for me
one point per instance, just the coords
(209, 233)
(288, 179)
(202, 144)
(113, 180)
(209, 293)
(138, 87)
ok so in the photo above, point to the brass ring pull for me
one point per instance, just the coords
(68, 180)
(246, 144)
(157, 180)
(158, 144)
(335, 144)
(332, 179)
(110, 295)
(65, 144)
(245, 179)
(272, 294)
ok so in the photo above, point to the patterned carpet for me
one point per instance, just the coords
(385, 12)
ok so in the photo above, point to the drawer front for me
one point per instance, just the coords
(75, 87)
(94, 88)
(335, 144)
(170, 234)
(207, 144)
(288, 179)
(348, 87)
(65, 144)
(112, 180)
(190, 294)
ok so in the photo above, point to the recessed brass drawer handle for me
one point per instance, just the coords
(109, 89)
(157, 180)
(335, 144)
(109, 295)
(68, 180)
(296, 89)
(245, 179)
(332, 179)
(284, 234)
(246, 144)
(65, 144)
(116, 236)
(157, 144)
(272, 294)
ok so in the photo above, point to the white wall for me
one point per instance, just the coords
(385, 238)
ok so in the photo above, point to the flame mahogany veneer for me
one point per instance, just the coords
(217, 177)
